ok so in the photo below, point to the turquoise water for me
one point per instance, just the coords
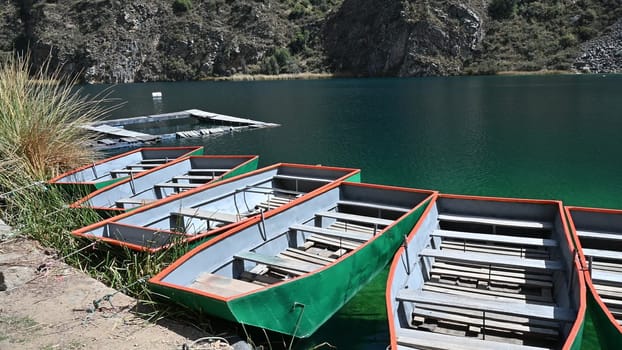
(536, 137)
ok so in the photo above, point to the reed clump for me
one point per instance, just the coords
(41, 119)
(41, 135)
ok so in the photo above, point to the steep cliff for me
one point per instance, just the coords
(138, 40)
(403, 38)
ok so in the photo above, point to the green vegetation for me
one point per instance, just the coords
(180, 6)
(280, 61)
(501, 9)
(540, 35)
(40, 135)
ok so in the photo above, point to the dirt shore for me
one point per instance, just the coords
(46, 304)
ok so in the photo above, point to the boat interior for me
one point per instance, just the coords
(179, 176)
(199, 212)
(484, 274)
(600, 235)
(131, 163)
(302, 239)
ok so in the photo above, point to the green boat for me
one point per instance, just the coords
(292, 269)
(598, 235)
(487, 273)
(169, 179)
(107, 171)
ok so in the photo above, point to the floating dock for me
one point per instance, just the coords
(112, 133)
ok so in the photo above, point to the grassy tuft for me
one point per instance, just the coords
(41, 115)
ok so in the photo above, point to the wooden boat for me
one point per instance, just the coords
(487, 273)
(598, 234)
(290, 270)
(171, 178)
(110, 170)
(204, 211)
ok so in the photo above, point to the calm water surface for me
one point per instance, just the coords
(536, 137)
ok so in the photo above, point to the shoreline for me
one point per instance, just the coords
(267, 77)
(536, 72)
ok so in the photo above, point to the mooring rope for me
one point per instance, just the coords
(62, 207)
(77, 251)
(36, 183)
(210, 340)
(301, 305)
(107, 297)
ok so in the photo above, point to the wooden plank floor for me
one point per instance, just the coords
(496, 288)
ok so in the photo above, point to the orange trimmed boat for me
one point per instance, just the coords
(487, 273)
(205, 211)
(169, 179)
(110, 170)
(292, 269)
(598, 234)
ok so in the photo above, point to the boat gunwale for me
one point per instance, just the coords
(158, 278)
(136, 247)
(55, 180)
(82, 231)
(584, 265)
(79, 203)
(581, 310)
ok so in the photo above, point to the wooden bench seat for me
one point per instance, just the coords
(356, 218)
(436, 341)
(603, 254)
(272, 203)
(495, 221)
(606, 277)
(278, 262)
(270, 190)
(483, 293)
(608, 236)
(302, 178)
(489, 323)
(176, 185)
(222, 286)
(484, 237)
(333, 242)
(332, 233)
(207, 171)
(374, 206)
(143, 166)
(348, 226)
(137, 201)
(493, 248)
(156, 160)
(518, 320)
(125, 172)
(207, 215)
(492, 259)
(499, 277)
(193, 178)
(304, 256)
(497, 305)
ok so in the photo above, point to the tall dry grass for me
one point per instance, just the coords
(41, 114)
(41, 135)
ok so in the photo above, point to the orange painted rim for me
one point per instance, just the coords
(101, 161)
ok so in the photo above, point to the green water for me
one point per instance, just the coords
(536, 137)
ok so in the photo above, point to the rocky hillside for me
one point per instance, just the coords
(140, 40)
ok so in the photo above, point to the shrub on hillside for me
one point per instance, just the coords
(501, 9)
(182, 6)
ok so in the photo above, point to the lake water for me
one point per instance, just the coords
(554, 137)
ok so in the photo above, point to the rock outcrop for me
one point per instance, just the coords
(125, 41)
(119, 41)
(602, 54)
(402, 38)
